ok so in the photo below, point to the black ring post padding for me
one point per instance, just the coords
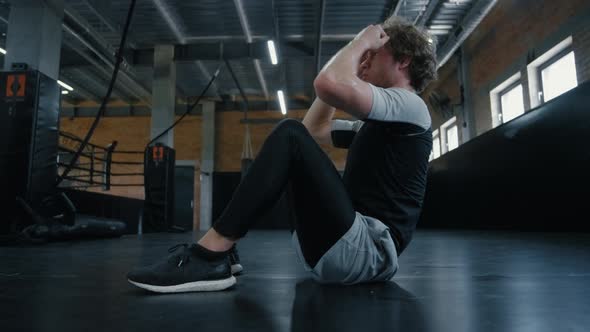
(108, 162)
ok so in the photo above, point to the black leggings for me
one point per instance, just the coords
(291, 159)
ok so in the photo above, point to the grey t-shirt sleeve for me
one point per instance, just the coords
(399, 105)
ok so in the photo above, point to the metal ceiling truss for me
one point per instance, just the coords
(303, 41)
(99, 48)
(244, 23)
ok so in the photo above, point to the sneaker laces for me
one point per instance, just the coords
(184, 255)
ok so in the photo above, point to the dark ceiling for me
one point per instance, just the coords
(204, 31)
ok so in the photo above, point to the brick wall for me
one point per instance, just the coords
(447, 84)
(511, 35)
(230, 138)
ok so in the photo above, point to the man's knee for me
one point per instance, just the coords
(290, 124)
(291, 127)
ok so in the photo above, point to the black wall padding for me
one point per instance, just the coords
(532, 173)
(45, 140)
(29, 118)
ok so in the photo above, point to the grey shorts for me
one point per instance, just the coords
(366, 253)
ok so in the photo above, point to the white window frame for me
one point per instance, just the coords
(443, 135)
(496, 95)
(435, 135)
(549, 63)
(534, 69)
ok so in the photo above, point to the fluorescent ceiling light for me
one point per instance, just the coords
(282, 102)
(273, 52)
(67, 87)
(3, 51)
(64, 92)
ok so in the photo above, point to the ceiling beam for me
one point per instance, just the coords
(394, 8)
(71, 110)
(245, 28)
(120, 84)
(78, 89)
(98, 8)
(317, 50)
(106, 54)
(231, 50)
(93, 6)
(97, 82)
(207, 76)
(261, 78)
(426, 14)
(78, 26)
(167, 15)
(280, 76)
(290, 37)
(471, 20)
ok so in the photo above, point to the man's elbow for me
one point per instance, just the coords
(326, 90)
(340, 96)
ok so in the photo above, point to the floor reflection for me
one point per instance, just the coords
(367, 307)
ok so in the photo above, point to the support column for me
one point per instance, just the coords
(34, 35)
(163, 93)
(207, 165)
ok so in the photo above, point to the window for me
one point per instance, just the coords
(450, 135)
(511, 103)
(559, 76)
(435, 145)
(552, 73)
(507, 100)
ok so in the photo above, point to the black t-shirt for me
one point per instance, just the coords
(387, 164)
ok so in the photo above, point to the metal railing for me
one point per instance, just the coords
(95, 166)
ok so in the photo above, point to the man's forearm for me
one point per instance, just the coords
(318, 120)
(343, 67)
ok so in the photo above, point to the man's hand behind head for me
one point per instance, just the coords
(373, 37)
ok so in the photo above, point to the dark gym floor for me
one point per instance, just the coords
(448, 281)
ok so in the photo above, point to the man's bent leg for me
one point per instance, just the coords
(290, 155)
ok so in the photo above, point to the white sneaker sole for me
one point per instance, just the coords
(236, 268)
(197, 286)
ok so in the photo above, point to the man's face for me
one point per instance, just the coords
(376, 65)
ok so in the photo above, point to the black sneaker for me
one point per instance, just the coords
(191, 269)
(234, 260)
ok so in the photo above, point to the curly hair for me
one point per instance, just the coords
(408, 41)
